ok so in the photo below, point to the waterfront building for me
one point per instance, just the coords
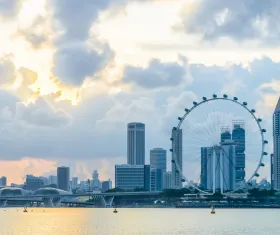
(225, 134)
(271, 171)
(156, 179)
(167, 180)
(33, 183)
(238, 136)
(177, 151)
(44, 180)
(63, 177)
(130, 177)
(276, 147)
(136, 143)
(3, 181)
(95, 180)
(158, 159)
(74, 183)
(106, 185)
(52, 180)
(217, 168)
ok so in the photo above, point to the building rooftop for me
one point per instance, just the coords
(277, 106)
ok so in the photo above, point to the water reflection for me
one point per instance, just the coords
(59, 221)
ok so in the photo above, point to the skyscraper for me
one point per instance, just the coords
(217, 168)
(95, 180)
(3, 181)
(156, 179)
(158, 159)
(238, 136)
(225, 134)
(177, 155)
(167, 180)
(63, 177)
(136, 144)
(276, 147)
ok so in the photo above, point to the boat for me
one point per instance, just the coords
(213, 210)
(115, 211)
(25, 209)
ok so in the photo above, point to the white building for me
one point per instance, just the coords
(167, 180)
(276, 147)
(136, 143)
(221, 173)
(130, 177)
(177, 147)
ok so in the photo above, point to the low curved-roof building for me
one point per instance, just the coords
(50, 192)
(13, 191)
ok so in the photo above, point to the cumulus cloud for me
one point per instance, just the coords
(156, 74)
(239, 20)
(7, 71)
(39, 114)
(73, 64)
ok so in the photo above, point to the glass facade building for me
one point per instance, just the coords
(136, 144)
(156, 179)
(63, 177)
(177, 147)
(276, 147)
(158, 159)
(130, 177)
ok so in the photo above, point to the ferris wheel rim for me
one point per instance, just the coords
(243, 105)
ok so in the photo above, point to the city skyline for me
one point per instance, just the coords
(67, 92)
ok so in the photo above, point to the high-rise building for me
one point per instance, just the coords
(52, 180)
(225, 133)
(3, 181)
(271, 171)
(130, 177)
(106, 185)
(177, 155)
(276, 147)
(158, 159)
(156, 179)
(95, 180)
(217, 167)
(206, 154)
(33, 183)
(63, 177)
(167, 180)
(74, 183)
(238, 136)
(136, 144)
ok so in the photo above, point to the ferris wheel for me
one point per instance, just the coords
(218, 145)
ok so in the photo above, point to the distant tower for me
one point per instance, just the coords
(136, 144)
(63, 177)
(177, 155)
(276, 147)
(158, 159)
(95, 180)
(238, 136)
(225, 133)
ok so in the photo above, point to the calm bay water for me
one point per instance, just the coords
(68, 221)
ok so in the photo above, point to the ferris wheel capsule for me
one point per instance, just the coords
(225, 96)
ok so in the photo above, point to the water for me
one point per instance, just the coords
(60, 221)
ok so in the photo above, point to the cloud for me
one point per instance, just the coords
(39, 114)
(15, 171)
(9, 8)
(7, 71)
(73, 64)
(239, 20)
(156, 74)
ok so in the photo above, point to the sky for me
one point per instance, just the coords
(74, 73)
